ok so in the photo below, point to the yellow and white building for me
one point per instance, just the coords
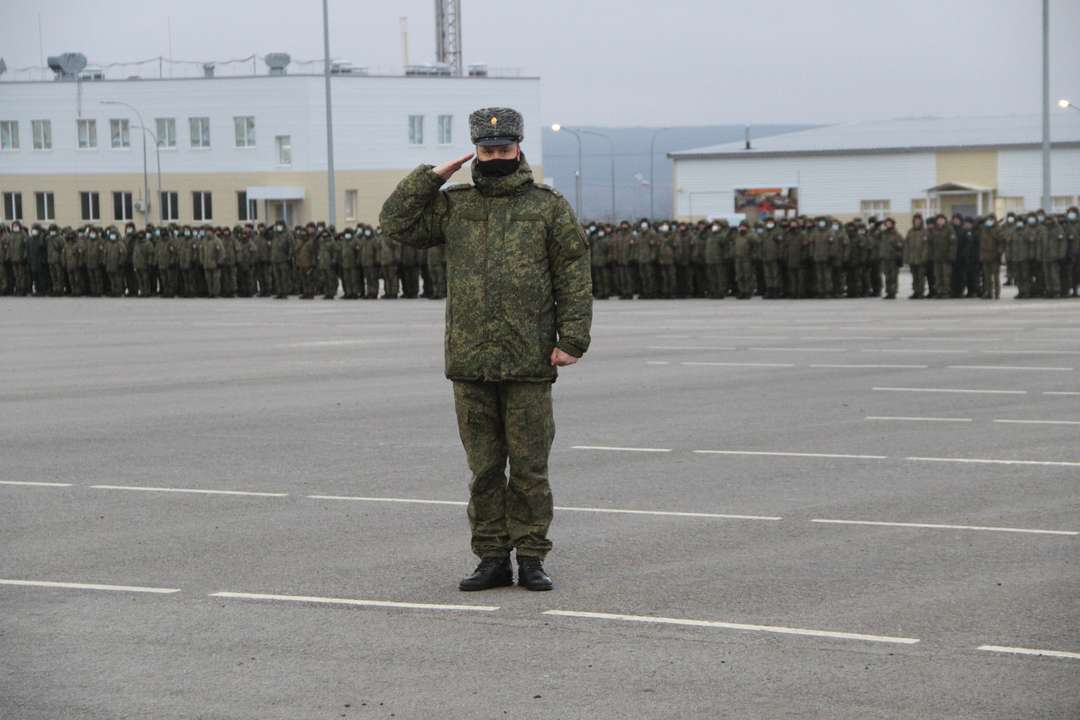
(234, 149)
(971, 165)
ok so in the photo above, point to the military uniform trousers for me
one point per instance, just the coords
(390, 280)
(772, 278)
(500, 422)
(943, 275)
(668, 281)
(330, 283)
(371, 280)
(282, 279)
(744, 278)
(918, 280)
(57, 278)
(213, 282)
(717, 280)
(991, 280)
(891, 269)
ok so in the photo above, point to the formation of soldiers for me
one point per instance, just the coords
(243, 261)
(803, 257)
(820, 257)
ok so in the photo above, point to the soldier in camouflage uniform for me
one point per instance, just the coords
(520, 305)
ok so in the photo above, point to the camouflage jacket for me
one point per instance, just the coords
(519, 280)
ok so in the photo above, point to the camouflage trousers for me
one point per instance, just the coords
(500, 422)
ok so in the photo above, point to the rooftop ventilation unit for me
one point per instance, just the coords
(208, 70)
(277, 62)
(67, 66)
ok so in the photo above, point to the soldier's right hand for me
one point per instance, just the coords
(450, 167)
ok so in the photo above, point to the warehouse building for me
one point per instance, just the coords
(237, 148)
(895, 168)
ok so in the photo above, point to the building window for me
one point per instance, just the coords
(9, 134)
(284, 149)
(446, 129)
(46, 205)
(90, 205)
(918, 205)
(874, 208)
(166, 132)
(13, 206)
(202, 206)
(246, 210)
(245, 131)
(1061, 203)
(119, 132)
(200, 132)
(87, 134)
(350, 204)
(416, 129)
(121, 202)
(170, 207)
(42, 130)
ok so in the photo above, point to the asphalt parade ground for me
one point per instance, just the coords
(766, 509)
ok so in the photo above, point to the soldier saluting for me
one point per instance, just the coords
(519, 306)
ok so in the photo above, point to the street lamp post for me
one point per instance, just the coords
(146, 180)
(157, 160)
(611, 147)
(652, 174)
(577, 180)
(330, 189)
(1046, 201)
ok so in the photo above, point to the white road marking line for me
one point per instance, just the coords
(791, 454)
(1010, 367)
(187, 490)
(1039, 422)
(613, 511)
(987, 461)
(935, 526)
(737, 364)
(413, 501)
(664, 513)
(1068, 393)
(1029, 651)
(689, 347)
(90, 586)
(950, 390)
(350, 601)
(731, 626)
(36, 484)
(1030, 352)
(798, 349)
(657, 362)
(911, 351)
(917, 419)
(329, 343)
(621, 449)
(854, 365)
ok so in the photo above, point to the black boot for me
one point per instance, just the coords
(492, 572)
(531, 575)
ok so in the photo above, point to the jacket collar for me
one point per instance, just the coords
(503, 186)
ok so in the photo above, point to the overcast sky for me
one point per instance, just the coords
(624, 62)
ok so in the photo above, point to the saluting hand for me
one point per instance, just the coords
(450, 167)
(561, 359)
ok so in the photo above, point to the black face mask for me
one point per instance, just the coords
(498, 168)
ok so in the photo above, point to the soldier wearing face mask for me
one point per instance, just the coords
(821, 242)
(38, 256)
(17, 257)
(991, 245)
(55, 257)
(665, 261)
(599, 248)
(771, 255)
(1031, 275)
(1071, 268)
(73, 270)
(369, 262)
(281, 252)
(646, 249)
(942, 255)
(1011, 230)
(917, 255)
(742, 252)
(620, 252)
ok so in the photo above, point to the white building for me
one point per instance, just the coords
(895, 167)
(235, 148)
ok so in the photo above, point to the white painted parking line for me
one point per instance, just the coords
(689, 347)
(935, 526)
(737, 364)
(1061, 393)
(792, 454)
(871, 366)
(988, 461)
(187, 490)
(35, 484)
(621, 449)
(732, 626)
(90, 586)
(664, 513)
(799, 349)
(354, 602)
(1030, 352)
(913, 351)
(1019, 368)
(1039, 422)
(408, 501)
(950, 390)
(1030, 651)
(917, 419)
